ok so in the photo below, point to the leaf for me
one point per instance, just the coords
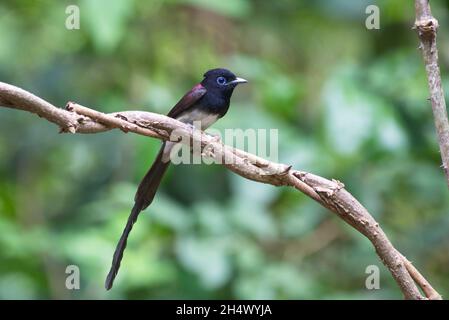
(252, 217)
(207, 258)
(105, 21)
(354, 116)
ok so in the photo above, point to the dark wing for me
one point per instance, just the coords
(188, 100)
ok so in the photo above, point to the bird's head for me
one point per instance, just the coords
(221, 80)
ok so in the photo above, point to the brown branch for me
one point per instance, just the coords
(329, 193)
(430, 292)
(427, 26)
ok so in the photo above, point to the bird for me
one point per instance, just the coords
(201, 107)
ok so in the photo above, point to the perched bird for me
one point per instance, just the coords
(204, 104)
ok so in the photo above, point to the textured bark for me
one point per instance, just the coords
(329, 193)
(427, 27)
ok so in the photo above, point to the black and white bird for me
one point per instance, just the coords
(204, 104)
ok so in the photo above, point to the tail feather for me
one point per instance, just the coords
(118, 254)
(144, 196)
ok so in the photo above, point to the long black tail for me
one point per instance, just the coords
(144, 196)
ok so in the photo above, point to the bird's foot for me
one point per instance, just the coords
(215, 137)
(191, 126)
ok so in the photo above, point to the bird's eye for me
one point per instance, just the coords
(221, 80)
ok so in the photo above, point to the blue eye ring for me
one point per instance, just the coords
(221, 80)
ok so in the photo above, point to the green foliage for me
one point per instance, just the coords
(349, 104)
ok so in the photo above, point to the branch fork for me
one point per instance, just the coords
(330, 194)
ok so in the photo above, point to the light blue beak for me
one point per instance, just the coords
(238, 80)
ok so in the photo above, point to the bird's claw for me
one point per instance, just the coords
(215, 137)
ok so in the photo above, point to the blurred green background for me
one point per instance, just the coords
(349, 103)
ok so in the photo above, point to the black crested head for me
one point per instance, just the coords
(221, 80)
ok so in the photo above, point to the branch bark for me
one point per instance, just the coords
(328, 193)
(427, 27)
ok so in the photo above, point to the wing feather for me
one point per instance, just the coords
(188, 100)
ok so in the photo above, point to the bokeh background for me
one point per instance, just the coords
(349, 103)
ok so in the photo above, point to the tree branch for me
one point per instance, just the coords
(427, 26)
(329, 193)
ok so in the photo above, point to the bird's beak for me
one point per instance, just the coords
(238, 80)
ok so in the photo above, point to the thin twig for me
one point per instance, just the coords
(427, 27)
(425, 286)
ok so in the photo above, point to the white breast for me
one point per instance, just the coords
(193, 117)
(200, 119)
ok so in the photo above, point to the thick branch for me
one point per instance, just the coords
(329, 193)
(427, 26)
